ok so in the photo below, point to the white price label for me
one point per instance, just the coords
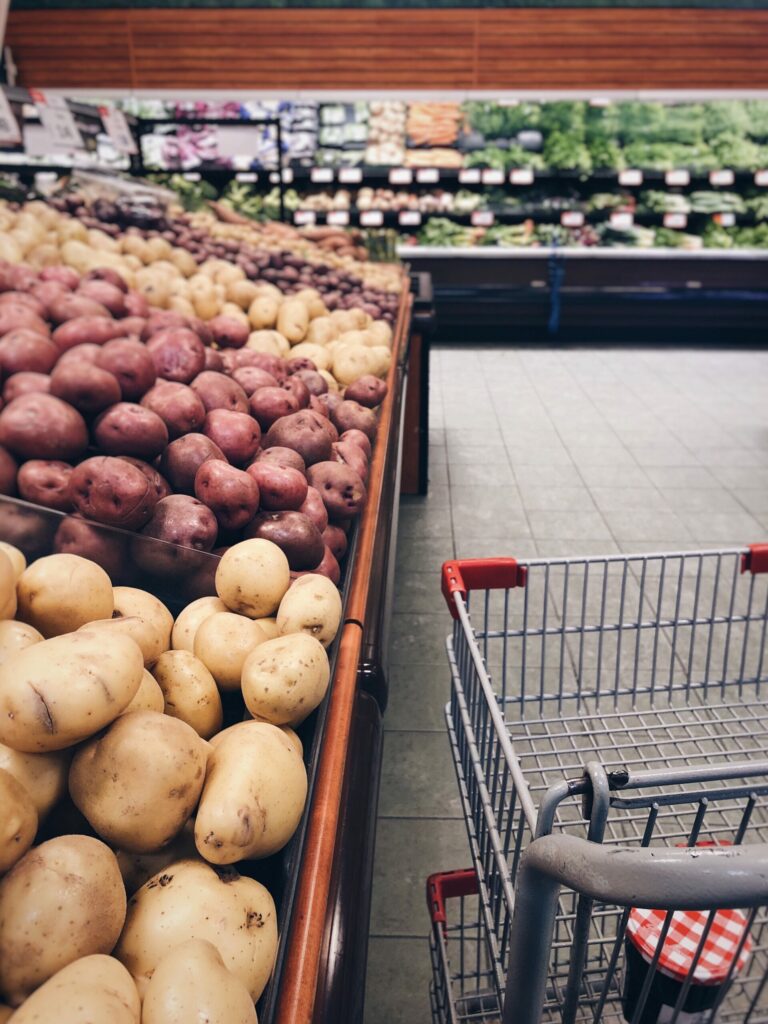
(599, 101)
(725, 220)
(321, 175)
(725, 177)
(247, 177)
(572, 218)
(400, 176)
(491, 176)
(761, 178)
(677, 178)
(427, 175)
(304, 217)
(191, 176)
(350, 175)
(675, 220)
(287, 177)
(483, 218)
(521, 176)
(9, 126)
(339, 218)
(622, 219)
(371, 218)
(631, 176)
(469, 176)
(116, 127)
(57, 120)
(409, 218)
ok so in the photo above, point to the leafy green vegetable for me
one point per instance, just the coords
(566, 152)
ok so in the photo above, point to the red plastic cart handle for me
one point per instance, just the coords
(446, 885)
(756, 559)
(465, 574)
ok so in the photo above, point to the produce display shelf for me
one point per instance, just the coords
(391, 218)
(409, 252)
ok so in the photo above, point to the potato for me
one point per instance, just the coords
(18, 822)
(25, 383)
(367, 391)
(93, 988)
(381, 332)
(344, 320)
(381, 360)
(214, 360)
(149, 696)
(26, 350)
(314, 509)
(5, 1013)
(252, 578)
(189, 620)
(190, 900)
(242, 293)
(321, 330)
(183, 457)
(85, 387)
(150, 622)
(139, 782)
(112, 491)
(178, 520)
(293, 320)
(294, 533)
(340, 487)
(280, 487)
(177, 405)
(353, 361)
(43, 776)
(288, 458)
(328, 567)
(268, 405)
(335, 539)
(262, 312)
(189, 691)
(311, 605)
(59, 593)
(222, 643)
(16, 636)
(231, 494)
(349, 415)
(192, 983)
(269, 625)
(15, 316)
(138, 868)
(95, 329)
(229, 331)
(40, 426)
(330, 380)
(178, 354)
(17, 559)
(317, 353)
(303, 432)
(63, 900)
(130, 429)
(285, 679)
(236, 433)
(270, 343)
(217, 391)
(251, 378)
(360, 439)
(130, 364)
(350, 454)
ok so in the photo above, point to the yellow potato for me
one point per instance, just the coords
(60, 691)
(8, 587)
(285, 679)
(16, 636)
(271, 342)
(357, 337)
(189, 900)
(18, 820)
(63, 900)
(330, 380)
(269, 625)
(138, 868)
(242, 293)
(344, 320)
(262, 312)
(312, 605)
(381, 332)
(94, 988)
(321, 330)
(44, 776)
(298, 746)
(152, 631)
(253, 796)
(188, 621)
(252, 577)
(313, 300)
(18, 561)
(293, 320)
(149, 696)
(350, 362)
(223, 642)
(183, 261)
(319, 355)
(189, 691)
(59, 593)
(381, 359)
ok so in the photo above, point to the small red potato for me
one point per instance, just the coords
(282, 457)
(112, 491)
(24, 384)
(93, 330)
(183, 457)
(109, 275)
(24, 350)
(270, 404)
(130, 362)
(349, 415)
(101, 544)
(299, 363)
(26, 298)
(136, 304)
(236, 433)
(299, 390)
(86, 353)
(213, 361)
(217, 391)
(367, 390)
(130, 429)
(182, 519)
(14, 315)
(303, 432)
(312, 381)
(358, 438)
(161, 320)
(340, 487)
(8, 471)
(294, 533)
(177, 405)
(40, 426)
(328, 566)
(251, 378)
(69, 306)
(46, 482)
(65, 276)
(178, 354)
(105, 293)
(228, 332)
(335, 539)
(281, 488)
(159, 485)
(85, 386)
(231, 494)
(314, 508)
(351, 455)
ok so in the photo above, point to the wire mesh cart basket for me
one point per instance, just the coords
(609, 727)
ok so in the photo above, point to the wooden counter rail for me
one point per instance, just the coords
(300, 972)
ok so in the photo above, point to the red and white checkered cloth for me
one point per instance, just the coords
(683, 938)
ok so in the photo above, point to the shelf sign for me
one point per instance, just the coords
(725, 177)
(274, 177)
(247, 177)
(725, 220)
(10, 134)
(339, 218)
(400, 176)
(491, 176)
(350, 175)
(409, 218)
(482, 218)
(371, 218)
(521, 176)
(761, 178)
(116, 127)
(631, 176)
(57, 120)
(622, 220)
(304, 217)
(677, 177)
(675, 220)
(427, 175)
(599, 101)
(469, 176)
(572, 218)
(321, 175)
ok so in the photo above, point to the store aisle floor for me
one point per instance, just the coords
(539, 452)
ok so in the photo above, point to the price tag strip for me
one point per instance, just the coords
(427, 175)
(469, 176)
(321, 175)
(400, 176)
(371, 218)
(725, 177)
(339, 218)
(631, 177)
(247, 177)
(304, 217)
(725, 220)
(677, 178)
(521, 176)
(622, 219)
(409, 218)
(491, 176)
(350, 175)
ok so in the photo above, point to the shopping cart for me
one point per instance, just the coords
(610, 736)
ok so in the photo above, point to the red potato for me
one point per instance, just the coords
(314, 382)
(296, 387)
(236, 433)
(293, 366)
(22, 278)
(129, 429)
(325, 423)
(281, 488)
(367, 390)
(340, 487)
(159, 485)
(136, 304)
(109, 275)
(100, 544)
(26, 299)
(213, 361)
(328, 566)
(45, 292)
(8, 471)
(86, 353)
(302, 432)
(282, 457)
(46, 483)
(270, 404)
(228, 332)
(182, 458)
(105, 293)
(182, 519)
(231, 494)
(314, 508)
(235, 360)
(335, 539)
(349, 415)
(251, 378)
(24, 383)
(178, 407)
(161, 320)
(351, 455)
(14, 315)
(178, 354)
(94, 330)
(86, 387)
(294, 533)
(65, 276)
(217, 391)
(113, 492)
(360, 439)
(39, 426)
(26, 350)
(132, 326)
(201, 329)
(69, 307)
(130, 363)
(329, 401)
